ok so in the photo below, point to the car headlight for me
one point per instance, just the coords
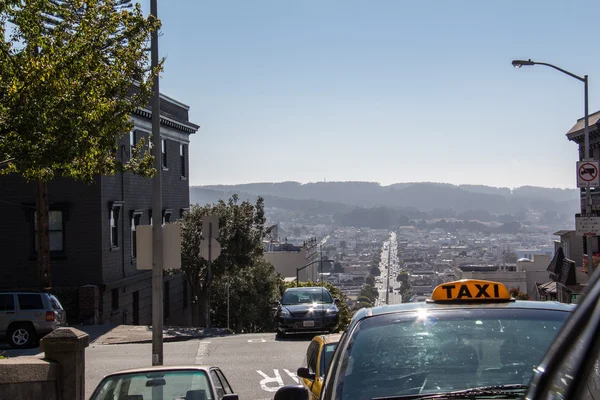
(332, 310)
(284, 313)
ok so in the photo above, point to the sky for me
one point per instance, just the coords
(381, 90)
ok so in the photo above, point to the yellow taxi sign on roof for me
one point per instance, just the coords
(475, 290)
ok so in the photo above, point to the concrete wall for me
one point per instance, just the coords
(28, 378)
(58, 376)
(286, 262)
(509, 279)
(536, 272)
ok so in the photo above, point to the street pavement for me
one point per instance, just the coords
(256, 365)
(392, 269)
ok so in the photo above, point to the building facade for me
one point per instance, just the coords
(93, 230)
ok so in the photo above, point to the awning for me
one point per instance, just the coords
(547, 287)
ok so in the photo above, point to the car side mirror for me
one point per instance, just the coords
(336, 301)
(231, 396)
(292, 392)
(305, 373)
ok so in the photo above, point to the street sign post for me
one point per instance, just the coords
(587, 226)
(587, 174)
(171, 247)
(209, 249)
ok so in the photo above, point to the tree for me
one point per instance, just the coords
(370, 280)
(252, 290)
(338, 268)
(370, 292)
(517, 294)
(71, 75)
(402, 277)
(241, 232)
(375, 271)
(343, 244)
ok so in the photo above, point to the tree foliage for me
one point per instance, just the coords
(370, 280)
(66, 78)
(375, 271)
(344, 311)
(252, 291)
(402, 277)
(241, 232)
(71, 75)
(517, 294)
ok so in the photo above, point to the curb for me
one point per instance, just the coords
(170, 339)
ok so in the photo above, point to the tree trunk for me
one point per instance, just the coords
(43, 235)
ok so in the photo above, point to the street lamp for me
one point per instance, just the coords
(586, 132)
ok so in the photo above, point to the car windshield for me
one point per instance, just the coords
(156, 385)
(306, 296)
(437, 351)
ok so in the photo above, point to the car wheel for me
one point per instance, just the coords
(21, 336)
(280, 334)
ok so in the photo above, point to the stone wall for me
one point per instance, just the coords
(60, 375)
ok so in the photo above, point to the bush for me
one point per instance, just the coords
(344, 313)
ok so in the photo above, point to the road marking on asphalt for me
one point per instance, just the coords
(202, 351)
(267, 382)
(257, 340)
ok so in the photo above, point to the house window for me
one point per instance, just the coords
(150, 216)
(164, 152)
(182, 159)
(132, 142)
(135, 221)
(113, 222)
(114, 299)
(167, 216)
(55, 231)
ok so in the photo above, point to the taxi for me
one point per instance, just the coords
(318, 357)
(470, 339)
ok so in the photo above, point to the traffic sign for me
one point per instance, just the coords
(207, 221)
(215, 249)
(587, 226)
(587, 174)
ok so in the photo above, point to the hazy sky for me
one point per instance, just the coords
(385, 91)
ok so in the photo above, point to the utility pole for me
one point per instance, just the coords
(157, 268)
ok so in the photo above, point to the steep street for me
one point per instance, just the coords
(256, 365)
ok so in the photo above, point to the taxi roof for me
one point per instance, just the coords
(407, 307)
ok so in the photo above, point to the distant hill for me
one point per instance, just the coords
(423, 196)
(201, 195)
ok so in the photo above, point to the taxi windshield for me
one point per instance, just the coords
(437, 351)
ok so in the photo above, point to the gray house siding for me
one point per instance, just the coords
(90, 258)
(81, 262)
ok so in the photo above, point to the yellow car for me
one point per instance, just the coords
(318, 356)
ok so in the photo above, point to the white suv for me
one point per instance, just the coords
(25, 317)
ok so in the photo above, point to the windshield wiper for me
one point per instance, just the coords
(512, 391)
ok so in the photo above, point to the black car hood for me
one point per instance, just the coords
(305, 307)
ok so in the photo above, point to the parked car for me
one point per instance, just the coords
(307, 309)
(25, 317)
(188, 382)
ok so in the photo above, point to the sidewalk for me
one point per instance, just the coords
(126, 334)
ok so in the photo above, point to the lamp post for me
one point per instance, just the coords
(587, 209)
